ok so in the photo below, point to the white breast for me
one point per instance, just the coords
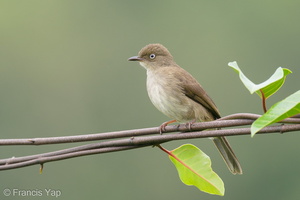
(162, 95)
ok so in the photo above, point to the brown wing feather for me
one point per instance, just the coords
(197, 94)
(194, 91)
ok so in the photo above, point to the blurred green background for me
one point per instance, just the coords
(64, 71)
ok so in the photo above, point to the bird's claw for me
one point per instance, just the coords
(162, 127)
(189, 124)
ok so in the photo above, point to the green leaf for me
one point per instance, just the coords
(269, 87)
(194, 168)
(288, 107)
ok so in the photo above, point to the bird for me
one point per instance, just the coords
(178, 95)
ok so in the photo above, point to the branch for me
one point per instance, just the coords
(126, 133)
(137, 138)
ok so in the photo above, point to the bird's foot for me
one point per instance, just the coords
(162, 127)
(189, 124)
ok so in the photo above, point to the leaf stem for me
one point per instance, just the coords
(184, 164)
(171, 154)
(263, 100)
(163, 149)
(176, 158)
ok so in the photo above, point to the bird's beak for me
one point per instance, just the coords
(135, 58)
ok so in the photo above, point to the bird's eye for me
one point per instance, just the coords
(152, 56)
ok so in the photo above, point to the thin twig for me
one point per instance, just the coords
(41, 160)
(238, 119)
(135, 142)
(124, 140)
(123, 134)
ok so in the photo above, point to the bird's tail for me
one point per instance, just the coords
(228, 155)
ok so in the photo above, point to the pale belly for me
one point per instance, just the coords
(169, 99)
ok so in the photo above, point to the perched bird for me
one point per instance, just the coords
(177, 94)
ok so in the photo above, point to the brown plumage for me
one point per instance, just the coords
(177, 94)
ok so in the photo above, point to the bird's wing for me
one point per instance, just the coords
(194, 91)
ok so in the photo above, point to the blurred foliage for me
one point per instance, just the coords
(64, 71)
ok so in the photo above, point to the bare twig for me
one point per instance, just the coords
(123, 134)
(130, 139)
(12, 164)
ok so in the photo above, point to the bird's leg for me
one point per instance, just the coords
(163, 126)
(189, 124)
